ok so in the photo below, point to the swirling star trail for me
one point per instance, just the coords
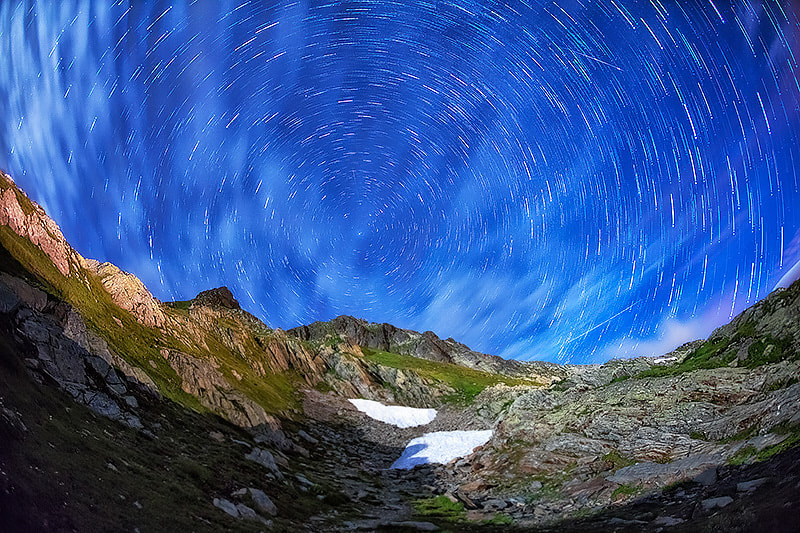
(559, 180)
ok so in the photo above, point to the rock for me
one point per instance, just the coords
(246, 512)
(427, 345)
(664, 473)
(535, 485)
(265, 459)
(220, 297)
(416, 526)
(18, 291)
(667, 521)
(616, 521)
(12, 422)
(475, 486)
(306, 437)
(302, 479)
(34, 225)
(128, 292)
(494, 505)
(103, 405)
(226, 506)
(707, 477)
(263, 502)
(9, 301)
(716, 503)
(750, 486)
(131, 402)
(203, 379)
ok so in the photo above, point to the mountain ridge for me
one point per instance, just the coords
(90, 356)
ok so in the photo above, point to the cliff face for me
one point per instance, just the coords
(29, 221)
(568, 441)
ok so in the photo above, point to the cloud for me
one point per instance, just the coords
(791, 253)
(670, 334)
(792, 275)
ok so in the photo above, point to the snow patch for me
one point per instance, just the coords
(441, 447)
(397, 415)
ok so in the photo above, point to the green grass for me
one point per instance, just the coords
(791, 441)
(183, 305)
(715, 353)
(333, 341)
(467, 382)
(618, 460)
(742, 456)
(625, 490)
(750, 453)
(619, 379)
(140, 345)
(440, 507)
(757, 352)
(744, 434)
(498, 520)
(781, 384)
(712, 354)
(60, 472)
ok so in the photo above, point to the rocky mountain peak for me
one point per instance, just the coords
(219, 297)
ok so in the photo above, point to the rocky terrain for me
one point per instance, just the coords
(119, 412)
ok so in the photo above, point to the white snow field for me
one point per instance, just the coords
(397, 415)
(441, 447)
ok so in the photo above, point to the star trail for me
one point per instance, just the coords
(558, 180)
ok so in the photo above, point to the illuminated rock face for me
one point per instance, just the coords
(29, 220)
(129, 293)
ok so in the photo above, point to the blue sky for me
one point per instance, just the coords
(568, 181)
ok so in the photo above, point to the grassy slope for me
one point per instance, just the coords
(467, 382)
(721, 351)
(56, 476)
(134, 342)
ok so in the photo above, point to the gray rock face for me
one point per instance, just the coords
(30, 296)
(203, 379)
(88, 378)
(227, 506)
(246, 512)
(9, 301)
(220, 297)
(663, 474)
(707, 477)
(716, 503)
(265, 459)
(750, 486)
(263, 502)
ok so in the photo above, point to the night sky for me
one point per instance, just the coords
(558, 180)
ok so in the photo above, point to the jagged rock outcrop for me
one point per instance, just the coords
(129, 293)
(38, 326)
(219, 297)
(203, 379)
(29, 220)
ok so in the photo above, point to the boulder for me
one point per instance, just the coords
(716, 503)
(263, 502)
(227, 506)
(265, 459)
